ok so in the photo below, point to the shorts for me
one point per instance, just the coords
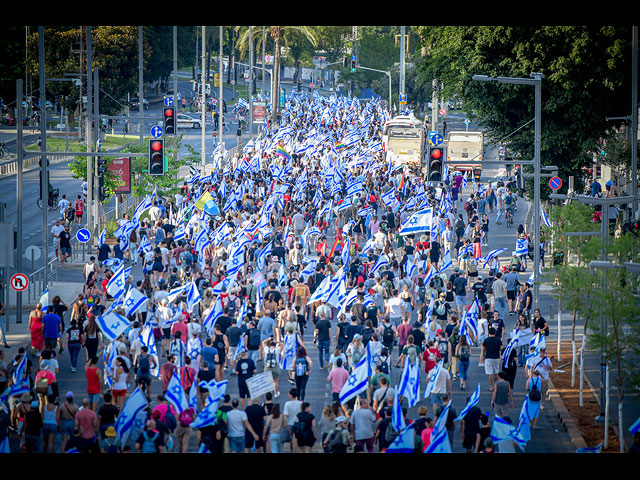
(436, 399)
(93, 397)
(492, 366)
(65, 250)
(49, 429)
(243, 391)
(167, 333)
(67, 426)
(144, 380)
(275, 371)
(236, 444)
(461, 299)
(511, 294)
(118, 393)
(249, 441)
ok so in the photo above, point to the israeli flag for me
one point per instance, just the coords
(21, 371)
(544, 217)
(116, 284)
(176, 395)
(346, 253)
(15, 390)
(240, 348)
(409, 269)
(180, 232)
(44, 301)
(513, 343)
(596, 449)
(409, 386)
(439, 437)
(261, 259)
(133, 301)
(207, 415)
(446, 262)
(404, 441)
(243, 312)
(136, 403)
(491, 255)
(357, 381)
(473, 401)
(522, 246)
(502, 430)
(523, 427)
(346, 203)
(310, 269)
(216, 390)
(103, 237)
(635, 427)
(431, 381)
(147, 339)
(112, 325)
(193, 296)
(174, 293)
(397, 418)
(380, 262)
(418, 222)
(236, 264)
(145, 246)
(215, 312)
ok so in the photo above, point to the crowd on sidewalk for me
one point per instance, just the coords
(309, 229)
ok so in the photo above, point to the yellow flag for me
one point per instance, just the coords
(204, 198)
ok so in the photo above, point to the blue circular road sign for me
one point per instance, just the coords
(168, 101)
(83, 235)
(156, 131)
(555, 183)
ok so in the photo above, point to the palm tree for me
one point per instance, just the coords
(280, 36)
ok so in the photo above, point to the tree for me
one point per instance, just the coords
(586, 78)
(616, 322)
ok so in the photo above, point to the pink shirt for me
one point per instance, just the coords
(338, 376)
(86, 419)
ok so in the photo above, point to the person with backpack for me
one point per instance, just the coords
(302, 369)
(463, 354)
(253, 341)
(444, 347)
(272, 352)
(305, 428)
(534, 387)
(150, 440)
(338, 439)
(387, 334)
(411, 352)
(110, 443)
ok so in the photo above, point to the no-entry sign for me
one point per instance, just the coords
(555, 183)
(19, 282)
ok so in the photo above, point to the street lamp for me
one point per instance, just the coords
(535, 80)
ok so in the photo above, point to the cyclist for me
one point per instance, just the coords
(509, 204)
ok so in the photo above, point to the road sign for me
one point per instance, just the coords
(467, 121)
(32, 250)
(19, 282)
(436, 139)
(83, 235)
(555, 183)
(168, 101)
(443, 112)
(156, 131)
(403, 98)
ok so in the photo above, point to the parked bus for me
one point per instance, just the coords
(462, 148)
(403, 138)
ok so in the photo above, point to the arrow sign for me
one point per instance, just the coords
(83, 235)
(156, 131)
(555, 183)
(168, 101)
(437, 139)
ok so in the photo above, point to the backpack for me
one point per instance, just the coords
(149, 444)
(390, 434)
(463, 353)
(110, 445)
(387, 335)
(473, 267)
(301, 367)
(422, 291)
(443, 348)
(300, 430)
(534, 393)
(254, 339)
(334, 443)
(366, 335)
(271, 361)
(170, 420)
(412, 353)
(70, 214)
(384, 366)
(186, 417)
(441, 309)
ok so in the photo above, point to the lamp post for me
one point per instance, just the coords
(535, 80)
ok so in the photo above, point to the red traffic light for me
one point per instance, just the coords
(436, 153)
(156, 146)
(168, 112)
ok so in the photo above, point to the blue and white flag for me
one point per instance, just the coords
(404, 441)
(397, 418)
(112, 325)
(433, 376)
(473, 401)
(21, 371)
(544, 217)
(116, 284)
(501, 431)
(103, 237)
(596, 449)
(15, 390)
(176, 395)
(409, 269)
(357, 381)
(193, 296)
(133, 301)
(207, 415)
(522, 246)
(446, 262)
(523, 428)
(439, 438)
(44, 301)
(418, 222)
(236, 264)
(513, 343)
(241, 347)
(136, 403)
(216, 390)
(491, 255)
(263, 254)
(409, 386)
(635, 427)
(215, 312)
(380, 262)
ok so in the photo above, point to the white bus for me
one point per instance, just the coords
(403, 139)
(462, 148)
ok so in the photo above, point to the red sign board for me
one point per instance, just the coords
(120, 168)
(19, 282)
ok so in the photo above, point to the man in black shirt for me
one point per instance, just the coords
(245, 369)
(225, 321)
(359, 310)
(65, 244)
(491, 348)
(322, 334)
(256, 414)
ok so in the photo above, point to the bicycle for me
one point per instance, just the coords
(53, 199)
(509, 216)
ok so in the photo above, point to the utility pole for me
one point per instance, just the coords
(175, 65)
(401, 85)
(140, 82)
(91, 191)
(19, 160)
(43, 159)
(203, 98)
(634, 123)
(221, 95)
(250, 120)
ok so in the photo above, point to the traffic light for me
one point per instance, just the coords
(353, 64)
(101, 166)
(169, 120)
(434, 159)
(156, 156)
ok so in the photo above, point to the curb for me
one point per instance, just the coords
(566, 419)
